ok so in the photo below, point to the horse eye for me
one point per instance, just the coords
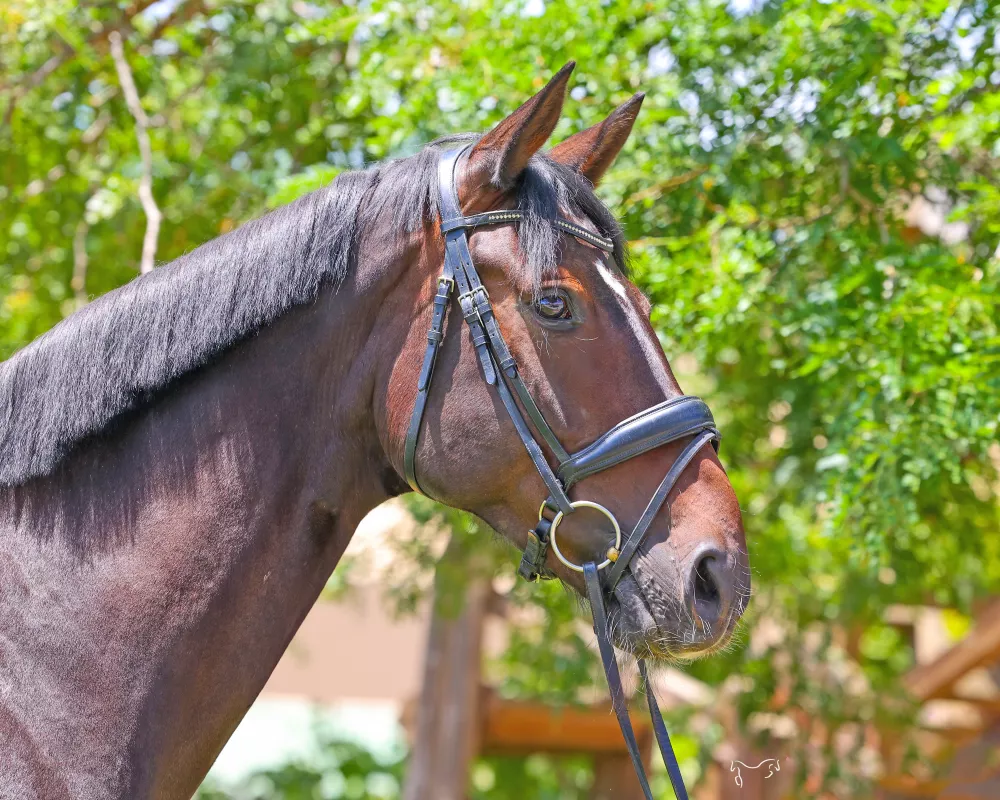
(553, 306)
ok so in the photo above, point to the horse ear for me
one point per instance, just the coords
(502, 154)
(591, 152)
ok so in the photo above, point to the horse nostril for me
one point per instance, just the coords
(709, 587)
(705, 588)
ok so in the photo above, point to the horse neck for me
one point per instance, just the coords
(180, 555)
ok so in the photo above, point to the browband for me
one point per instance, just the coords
(505, 216)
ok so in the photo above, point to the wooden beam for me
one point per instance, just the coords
(975, 769)
(614, 778)
(514, 727)
(447, 714)
(907, 786)
(979, 647)
(978, 790)
(518, 728)
(676, 689)
(979, 686)
(974, 773)
(931, 638)
(953, 715)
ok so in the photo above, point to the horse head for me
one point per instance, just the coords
(558, 326)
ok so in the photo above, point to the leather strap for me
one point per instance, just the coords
(596, 595)
(573, 229)
(663, 737)
(469, 300)
(535, 415)
(456, 221)
(435, 335)
(653, 506)
(505, 217)
(556, 491)
(618, 701)
(494, 355)
(664, 423)
(532, 567)
(479, 311)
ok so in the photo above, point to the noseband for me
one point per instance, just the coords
(684, 417)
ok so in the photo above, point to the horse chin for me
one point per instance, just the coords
(636, 630)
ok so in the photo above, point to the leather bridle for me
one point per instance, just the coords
(684, 417)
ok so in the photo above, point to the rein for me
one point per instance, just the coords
(669, 421)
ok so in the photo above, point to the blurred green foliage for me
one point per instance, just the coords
(849, 348)
(341, 769)
(511, 778)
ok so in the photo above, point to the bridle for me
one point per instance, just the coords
(669, 421)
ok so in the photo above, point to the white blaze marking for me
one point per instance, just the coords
(650, 347)
(611, 280)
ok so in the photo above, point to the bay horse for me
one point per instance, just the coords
(184, 460)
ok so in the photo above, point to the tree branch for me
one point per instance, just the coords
(20, 89)
(657, 190)
(33, 80)
(152, 211)
(182, 13)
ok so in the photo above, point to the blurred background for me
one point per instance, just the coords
(812, 199)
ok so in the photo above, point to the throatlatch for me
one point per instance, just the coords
(669, 421)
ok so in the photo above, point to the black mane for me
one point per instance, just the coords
(114, 355)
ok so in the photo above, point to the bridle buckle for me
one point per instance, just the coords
(474, 303)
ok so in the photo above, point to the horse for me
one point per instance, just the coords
(184, 460)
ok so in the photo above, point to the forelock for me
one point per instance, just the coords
(548, 189)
